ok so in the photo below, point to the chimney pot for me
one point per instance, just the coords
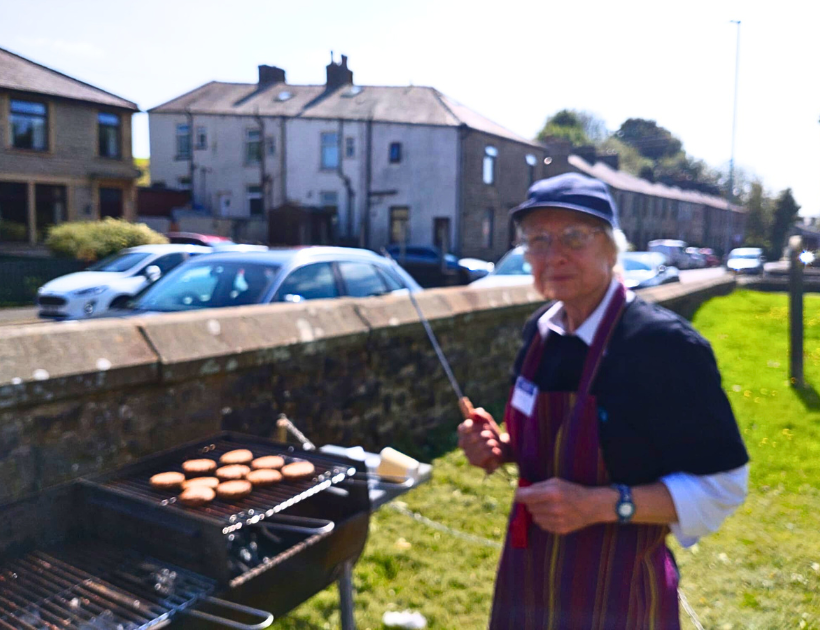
(338, 74)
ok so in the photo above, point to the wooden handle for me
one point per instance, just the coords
(466, 408)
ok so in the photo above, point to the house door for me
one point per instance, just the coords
(111, 202)
(441, 234)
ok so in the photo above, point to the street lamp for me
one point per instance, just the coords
(730, 196)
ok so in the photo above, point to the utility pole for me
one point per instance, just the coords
(731, 195)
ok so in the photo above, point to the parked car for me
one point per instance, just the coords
(641, 269)
(278, 275)
(194, 238)
(511, 270)
(696, 259)
(674, 250)
(746, 260)
(711, 258)
(425, 264)
(646, 269)
(112, 281)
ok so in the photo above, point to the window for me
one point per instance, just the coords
(488, 171)
(183, 142)
(389, 279)
(119, 262)
(395, 152)
(29, 125)
(50, 208)
(330, 151)
(166, 263)
(253, 146)
(487, 225)
(531, 162)
(311, 282)
(361, 279)
(350, 147)
(255, 202)
(399, 224)
(201, 137)
(109, 135)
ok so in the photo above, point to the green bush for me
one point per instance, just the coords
(94, 240)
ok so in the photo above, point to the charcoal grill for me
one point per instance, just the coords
(227, 541)
(113, 553)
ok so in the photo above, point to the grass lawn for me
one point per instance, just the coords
(761, 571)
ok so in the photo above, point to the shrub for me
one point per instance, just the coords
(93, 240)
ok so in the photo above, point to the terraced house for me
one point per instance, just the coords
(343, 163)
(65, 151)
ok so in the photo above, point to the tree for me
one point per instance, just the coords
(759, 217)
(579, 127)
(785, 214)
(650, 139)
(629, 159)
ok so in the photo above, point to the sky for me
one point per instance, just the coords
(515, 62)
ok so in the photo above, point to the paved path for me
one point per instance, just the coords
(16, 316)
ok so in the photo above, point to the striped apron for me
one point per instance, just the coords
(606, 576)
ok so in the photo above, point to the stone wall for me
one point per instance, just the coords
(78, 398)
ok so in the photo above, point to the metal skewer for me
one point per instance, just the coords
(464, 403)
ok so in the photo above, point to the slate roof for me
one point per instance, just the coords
(628, 182)
(19, 73)
(413, 105)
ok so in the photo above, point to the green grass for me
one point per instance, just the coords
(760, 571)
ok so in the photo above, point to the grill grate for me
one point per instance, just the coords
(134, 482)
(97, 587)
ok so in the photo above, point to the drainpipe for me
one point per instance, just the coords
(191, 166)
(263, 178)
(364, 232)
(283, 162)
(345, 180)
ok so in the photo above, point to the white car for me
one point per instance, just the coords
(511, 270)
(111, 281)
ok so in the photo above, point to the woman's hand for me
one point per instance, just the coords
(562, 507)
(483, 442)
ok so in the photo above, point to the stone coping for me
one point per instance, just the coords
(52, 361)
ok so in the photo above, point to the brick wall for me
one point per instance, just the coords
(75, 400)
(477, 198)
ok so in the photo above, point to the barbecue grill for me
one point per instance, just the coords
(111, 552)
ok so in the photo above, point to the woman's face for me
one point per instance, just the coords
(561, 272)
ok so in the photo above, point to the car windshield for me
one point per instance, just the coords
(632, 264)
(208, 285)
(513, 264)
(119, 262)
(750, 255)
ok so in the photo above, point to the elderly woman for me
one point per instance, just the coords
(618, 425)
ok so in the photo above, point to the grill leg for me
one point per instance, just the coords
(345, 584)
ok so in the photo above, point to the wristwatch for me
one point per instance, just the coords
(624, 508)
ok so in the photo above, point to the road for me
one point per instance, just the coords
(694, 275)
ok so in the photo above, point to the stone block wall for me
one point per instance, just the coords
(80, 398)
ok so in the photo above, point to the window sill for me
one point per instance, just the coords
(182, 158)
(21, 151)
(111, 158)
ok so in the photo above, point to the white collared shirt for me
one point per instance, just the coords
(702, 502)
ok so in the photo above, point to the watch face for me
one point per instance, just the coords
(625, 510)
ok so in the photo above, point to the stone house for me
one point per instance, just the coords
(364, 165)
(65, 151)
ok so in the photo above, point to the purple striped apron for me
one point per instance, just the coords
(606, 576)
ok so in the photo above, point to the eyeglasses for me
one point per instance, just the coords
(574, 237)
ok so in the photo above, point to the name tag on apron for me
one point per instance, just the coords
(524, 396)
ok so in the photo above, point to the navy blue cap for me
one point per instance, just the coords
(571, 191)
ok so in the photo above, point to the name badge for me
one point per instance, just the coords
(524, 396)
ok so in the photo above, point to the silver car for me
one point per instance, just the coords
(278, 275)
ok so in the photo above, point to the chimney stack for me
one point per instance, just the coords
(338, 74)
(268, 75)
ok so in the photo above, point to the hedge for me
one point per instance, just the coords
(94, 240)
